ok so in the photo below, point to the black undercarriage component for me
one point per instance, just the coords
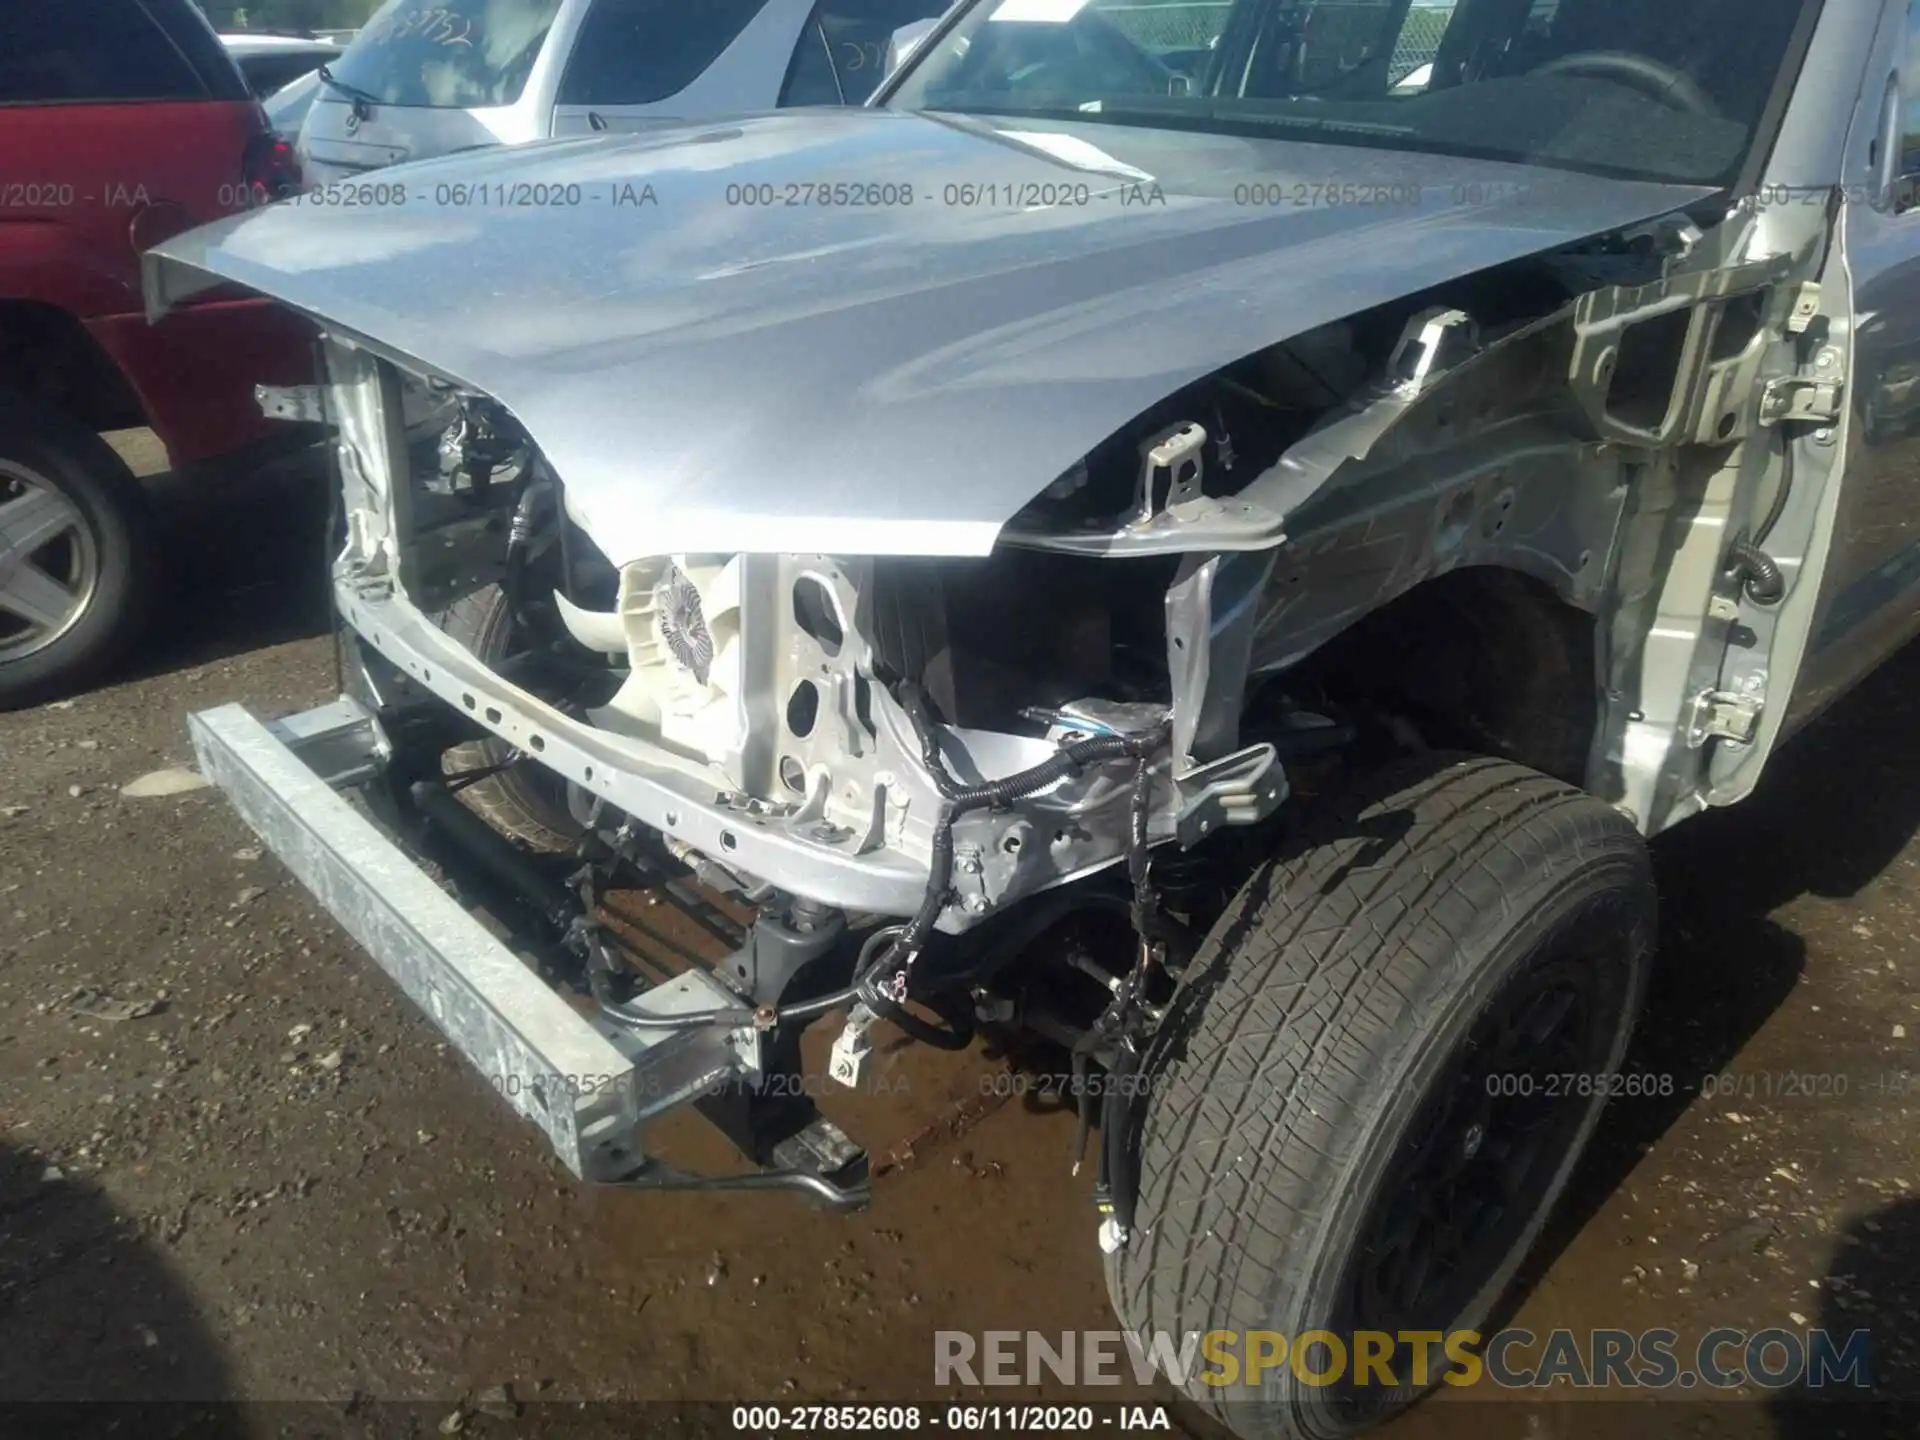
(777, 949)
(532, 891)
(482, 441)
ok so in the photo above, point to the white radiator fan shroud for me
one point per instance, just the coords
(668, 694)
(783, 715)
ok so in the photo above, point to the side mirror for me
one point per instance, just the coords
(904, 41)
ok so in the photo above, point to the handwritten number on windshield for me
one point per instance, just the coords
(433, 23)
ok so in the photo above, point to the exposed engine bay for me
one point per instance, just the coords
(667, 649)
(926, 781)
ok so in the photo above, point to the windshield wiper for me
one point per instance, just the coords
(363, 102)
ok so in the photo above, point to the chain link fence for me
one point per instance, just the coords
(1171, 25)
(1419, 41)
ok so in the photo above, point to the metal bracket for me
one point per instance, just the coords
(971, 883)
(1702, 384)
(1806, 308)
(1432, 343)
(1178, 452)
(822, 1148)
(1243, 788)
(291, 402)
(1724, 715)
(1800, 398)
(847, 1062)
(776, 951)
(341, 743)
(1212, 609)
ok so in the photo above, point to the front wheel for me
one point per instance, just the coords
(76, 554)
(1376, 1078)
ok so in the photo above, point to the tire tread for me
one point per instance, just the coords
(1293, 1007)
(475, 621)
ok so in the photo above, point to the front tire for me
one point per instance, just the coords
(76, 554)
(1329, 1140)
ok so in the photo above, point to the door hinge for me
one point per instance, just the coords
(1814, 401)
(1724, 715)
(1816, 398)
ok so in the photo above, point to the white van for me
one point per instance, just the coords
(427, 77)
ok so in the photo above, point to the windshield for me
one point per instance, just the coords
(447, 54)
(1671, 90)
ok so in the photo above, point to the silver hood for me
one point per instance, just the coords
(895, 367)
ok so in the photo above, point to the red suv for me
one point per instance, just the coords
(122, 123)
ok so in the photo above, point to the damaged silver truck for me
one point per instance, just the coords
(1211, 534)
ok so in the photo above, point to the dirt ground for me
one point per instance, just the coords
(278, 1186)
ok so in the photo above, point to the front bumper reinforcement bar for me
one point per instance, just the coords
(587, 1082)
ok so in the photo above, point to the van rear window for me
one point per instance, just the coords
(447, 54)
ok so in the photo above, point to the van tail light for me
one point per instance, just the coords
(270, 168)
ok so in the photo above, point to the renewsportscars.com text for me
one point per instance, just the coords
(1723, 1358)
